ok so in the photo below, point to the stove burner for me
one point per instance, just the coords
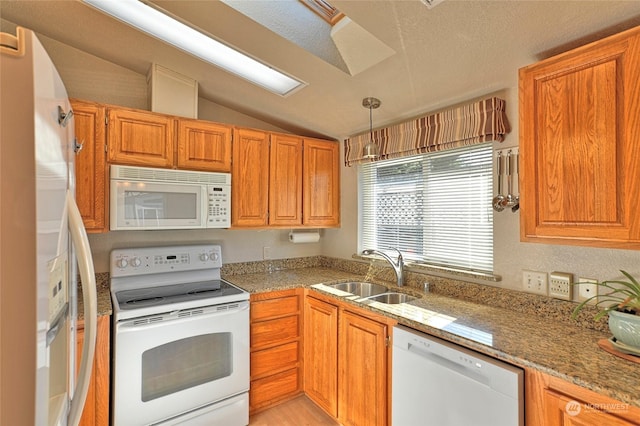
(144, 300)
(172, 295)
(203, 290)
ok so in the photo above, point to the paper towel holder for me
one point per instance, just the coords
(299, 236)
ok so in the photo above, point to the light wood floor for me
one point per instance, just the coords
(299, 411)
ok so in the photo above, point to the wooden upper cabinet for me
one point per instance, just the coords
(203, 145)
(285, 180)
(250, 178)
(321, 183)
(282, 180)
(579, 139)
(141, 138)
(92, 175)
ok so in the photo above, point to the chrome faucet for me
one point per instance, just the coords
(396, 264)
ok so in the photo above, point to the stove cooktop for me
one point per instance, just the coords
(174, 294)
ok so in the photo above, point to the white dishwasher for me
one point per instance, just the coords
(438, 383)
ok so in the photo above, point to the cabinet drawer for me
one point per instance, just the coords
(272, 388)
(273, 332)
(274, 359)
(274, 308)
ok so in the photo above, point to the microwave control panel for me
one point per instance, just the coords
(218, 206)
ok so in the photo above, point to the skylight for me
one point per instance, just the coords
(324, 10)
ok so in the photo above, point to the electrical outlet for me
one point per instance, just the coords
(560, 285)
(266, 253)
(534, 282)
(587, 288)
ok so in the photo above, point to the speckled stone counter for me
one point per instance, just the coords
(558, 348)
(523, 329)
(102, 293)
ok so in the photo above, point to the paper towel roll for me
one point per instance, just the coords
(304, 237)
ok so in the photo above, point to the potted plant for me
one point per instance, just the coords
(620, 299)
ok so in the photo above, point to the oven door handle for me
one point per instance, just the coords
(183, 315)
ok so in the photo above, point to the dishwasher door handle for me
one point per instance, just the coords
(460, 367)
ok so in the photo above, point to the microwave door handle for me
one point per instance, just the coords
(205, 206)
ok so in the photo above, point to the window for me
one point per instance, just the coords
(435, 208)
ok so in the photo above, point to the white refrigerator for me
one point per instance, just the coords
(43, 244)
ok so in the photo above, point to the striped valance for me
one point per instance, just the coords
(466, 125)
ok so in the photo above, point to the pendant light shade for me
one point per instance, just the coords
(371, 150)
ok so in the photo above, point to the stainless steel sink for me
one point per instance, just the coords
(361, 289)
(392, 298)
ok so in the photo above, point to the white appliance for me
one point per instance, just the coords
(38, 263)
(435, 382)
(149, 198)
(180, 339)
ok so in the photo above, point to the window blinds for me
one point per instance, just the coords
(435, 208)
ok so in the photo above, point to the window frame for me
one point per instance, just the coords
(483, 170)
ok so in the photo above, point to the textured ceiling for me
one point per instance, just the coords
(456, 51)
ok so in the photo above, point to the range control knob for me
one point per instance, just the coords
(214, 256)
(135, 262)
(122, 263)
(204, 257)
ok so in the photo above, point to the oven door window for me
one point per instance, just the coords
(186, 363)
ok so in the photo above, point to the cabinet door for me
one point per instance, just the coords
(96, 407)
(250, 178)
(564, 411)
(141, 138)
(362, 374)
(579, 135)
(92, 175)
(204, 146)
(321, 183)
(321, 354)
(285, 180)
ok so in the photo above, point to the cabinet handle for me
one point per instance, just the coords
(77, 147)
(64, 117)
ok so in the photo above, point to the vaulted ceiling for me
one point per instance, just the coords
(456, 51)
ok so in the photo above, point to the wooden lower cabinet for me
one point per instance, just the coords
(363, 354)
(96, 407)
(550, 401)
(347, 357)
(276, 348)
(321, 354)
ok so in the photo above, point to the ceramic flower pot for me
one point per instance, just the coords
(625, 328)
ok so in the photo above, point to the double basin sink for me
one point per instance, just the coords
(372, 292)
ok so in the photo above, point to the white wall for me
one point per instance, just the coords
(88, 77)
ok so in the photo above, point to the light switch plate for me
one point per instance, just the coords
(534, 282)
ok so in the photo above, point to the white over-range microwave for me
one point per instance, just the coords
(145, 198)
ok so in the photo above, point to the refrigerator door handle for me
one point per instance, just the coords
(88, 278)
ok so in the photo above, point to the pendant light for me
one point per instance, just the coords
(371, 150)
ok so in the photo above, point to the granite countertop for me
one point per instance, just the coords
(103, 294)
(556, 348)
(559, 349)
